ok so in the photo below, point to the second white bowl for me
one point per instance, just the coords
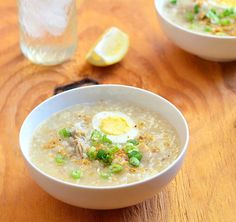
(210, 47)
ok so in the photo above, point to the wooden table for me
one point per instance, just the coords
(205, 188)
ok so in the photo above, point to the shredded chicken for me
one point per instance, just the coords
(78, 141)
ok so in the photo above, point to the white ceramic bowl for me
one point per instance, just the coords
(210, 47)
(113, 196)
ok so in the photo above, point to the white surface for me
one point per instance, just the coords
(210, 47)
(103, 197)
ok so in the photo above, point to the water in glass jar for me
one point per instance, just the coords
(48, 30)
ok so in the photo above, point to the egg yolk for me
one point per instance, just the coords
(227, 2)
(114, 126)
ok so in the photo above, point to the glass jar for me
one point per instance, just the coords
(48, 30)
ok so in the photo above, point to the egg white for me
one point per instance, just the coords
(122, 138)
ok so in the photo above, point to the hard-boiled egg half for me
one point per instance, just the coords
(116, 125)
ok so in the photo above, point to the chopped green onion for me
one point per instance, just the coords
(96, 136)
(196, 9)
(134, 161)
(116, 168)
(101, 154)
(213, 10)
(189, 16)
(130, 147)
(225, 22)
(64, 133)
(76, 174)
(92, 153)
(106, 140)
(173, 2)
(135, 154)
(107, 160)
(104, 175)
(233, 15)
(211, 14)
(192, 26)
(113, 149)
(60, 159)
(104, 156)
(207, 29)
(228, 12)
(134, 142)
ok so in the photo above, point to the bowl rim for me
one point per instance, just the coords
(180, 156)
(160, 12)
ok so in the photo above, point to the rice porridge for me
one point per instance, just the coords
(104, 144)
(214, 17)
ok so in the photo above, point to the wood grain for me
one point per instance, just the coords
(205, 188)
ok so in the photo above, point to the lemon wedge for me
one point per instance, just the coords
(109, 49)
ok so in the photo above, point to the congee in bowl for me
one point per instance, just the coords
(105, 146)
(214, 17)
(104, 143)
